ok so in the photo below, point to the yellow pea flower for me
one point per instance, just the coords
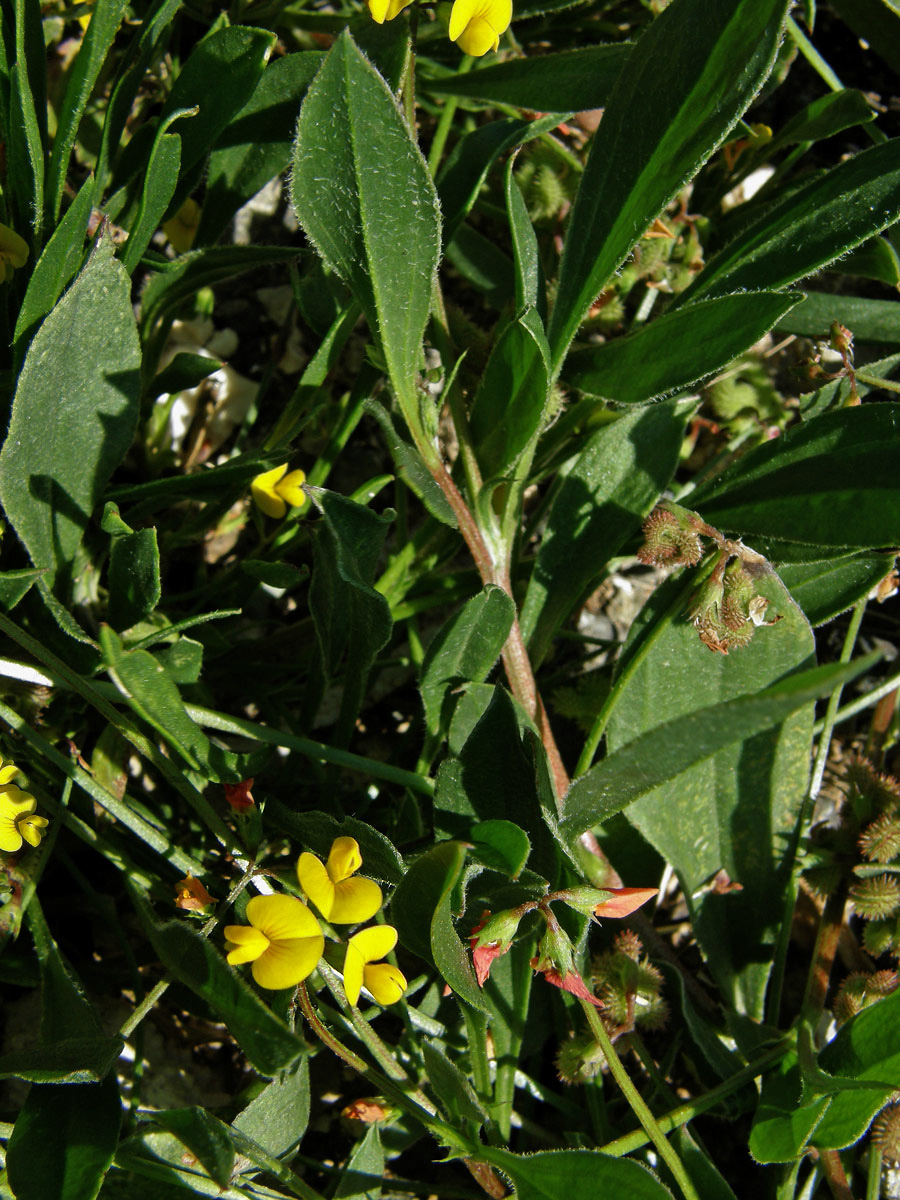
(476, 25)
(283, 941)
(362, 968)
(18, 820)
(340, 899)
(13, 253)
(386, 10)
(274, 490)
(182, 228)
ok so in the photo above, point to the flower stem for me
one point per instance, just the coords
(638, 1107)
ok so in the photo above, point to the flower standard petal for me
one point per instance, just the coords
(282, 918)
(290, 489)
(288, 962)
(355, 900)
(263, 491)
(316, 883)
(476, 25)
(375, 942)
(386, 10)
(386, 982)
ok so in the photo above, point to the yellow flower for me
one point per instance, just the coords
(182, 228)
(13, 253)
(339, 899)
(274, 490)
(18, 820)
(477, 24)
(283, 941)
(362, 968)
(386, 10)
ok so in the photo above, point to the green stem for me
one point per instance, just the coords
(445, 122)
(773, 999)
(310, 749)
(875, 381)
(869, 700)
(873, 1172)
(677, 1117)
(635, 1100)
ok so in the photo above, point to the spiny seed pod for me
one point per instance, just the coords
(882, 937)
(740, 635)
(738, 591)
(886, 1132)
(880, 841)
(850, 998)
(651, 254)
(882, 983)
(877, 897)
(579, 1059)
(667, 543)
(628, 943)
(546, 193)
(880, 792)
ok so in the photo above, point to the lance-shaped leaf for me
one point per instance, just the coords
(575, 1174)
(812, 226)
(363, 194)
(689, 79)
(676, 350)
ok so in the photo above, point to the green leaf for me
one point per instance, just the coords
(204, 1136)
(55, 269)
(366, 1161)
(449, 1084)
(352, 620)
(601, 501)
(16, 584)
(826, 587)
(568, 81)
(237, 53)
(782, 1126)
(677, 349)
(64, 1140)
(531, 288)
(810, 227)
(275, 574)
(866, 1048)
(364, 196)
(183, 372)
(465, 649)
(411, 466)
(468, 163)
(823, 118)
(106, 16)
(317, 830)
(575, 1174)
(483, 264)
(512, 394)
(875, 259)
(256, 144)
(67, 1060)
(832, 481)
(152, 694)
(870, 320)
(668, 749)
(276, 1119)
(689, 78)
(27, 128)
(74, 413)
(501, 845)
(714, 752)
(421, 911)
(160, 181)
(134, 584)
(264, 1038)
(878, 23)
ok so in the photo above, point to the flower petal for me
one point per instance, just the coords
(282, 918)
(10, 838)
(477, 38)
(385, 981)
(343, 859)
(13, 247)
(8, 773)
(624, 901)
(354, 966)
(287, 963)
(461, 14)
(31, 828)
(15, 803)
(291, 488)
(375, 942)
(316, 883)
(263, 491)
(355, 900)
(247, 943)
